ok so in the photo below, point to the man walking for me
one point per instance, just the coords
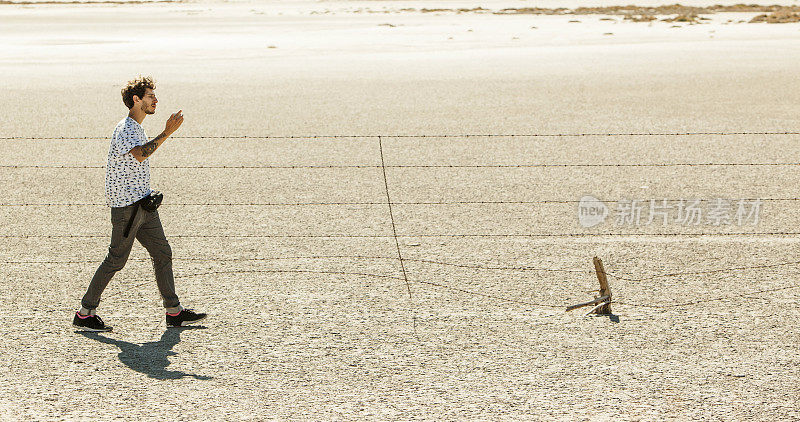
(127, 188)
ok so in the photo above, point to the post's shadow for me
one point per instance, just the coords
(150, 358)
(611, 317)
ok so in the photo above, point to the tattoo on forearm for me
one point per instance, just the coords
(150, 147)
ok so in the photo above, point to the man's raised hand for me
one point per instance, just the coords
(173, 123)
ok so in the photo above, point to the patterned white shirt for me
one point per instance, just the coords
(127, 180)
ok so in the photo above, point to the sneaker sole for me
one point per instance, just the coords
(185, 323)
(94, 330)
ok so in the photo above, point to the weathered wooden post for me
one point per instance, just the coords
(603, 302)
(604, 309)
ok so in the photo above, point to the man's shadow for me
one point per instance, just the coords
(150, 358)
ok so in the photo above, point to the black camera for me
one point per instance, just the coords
(152, 201)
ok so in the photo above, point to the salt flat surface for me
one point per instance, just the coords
(310, 312)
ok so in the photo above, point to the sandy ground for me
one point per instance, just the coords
(322, 328)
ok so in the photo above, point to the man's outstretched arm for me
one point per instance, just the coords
(141, 152)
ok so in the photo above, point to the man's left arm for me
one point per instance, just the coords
(142, 152)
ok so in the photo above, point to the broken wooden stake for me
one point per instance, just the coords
(603, 303)
(604, 289)
(591, 302)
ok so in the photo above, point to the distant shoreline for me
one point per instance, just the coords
(691, 14)
(679, 13)
(631, 9)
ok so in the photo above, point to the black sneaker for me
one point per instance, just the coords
(184, 317)
(89, 323)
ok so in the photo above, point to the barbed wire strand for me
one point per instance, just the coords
(299, 271)
(414, 166)
(714, 271)
(429, 261)
(471, 292)
(396, 240)
(447, 136)
(715, 299)
(420, 235)
(369, 203)
(471, 266)
(391, 217)
(406, 259)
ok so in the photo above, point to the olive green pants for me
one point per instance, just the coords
(146, 228)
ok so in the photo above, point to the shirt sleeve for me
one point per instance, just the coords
(126, 141)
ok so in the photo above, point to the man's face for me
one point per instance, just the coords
(148, 103)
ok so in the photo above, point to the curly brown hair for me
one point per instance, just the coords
(136, 87)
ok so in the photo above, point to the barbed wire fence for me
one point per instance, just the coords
(400, 259)
(422, 136)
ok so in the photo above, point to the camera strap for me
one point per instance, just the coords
(130, 221)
